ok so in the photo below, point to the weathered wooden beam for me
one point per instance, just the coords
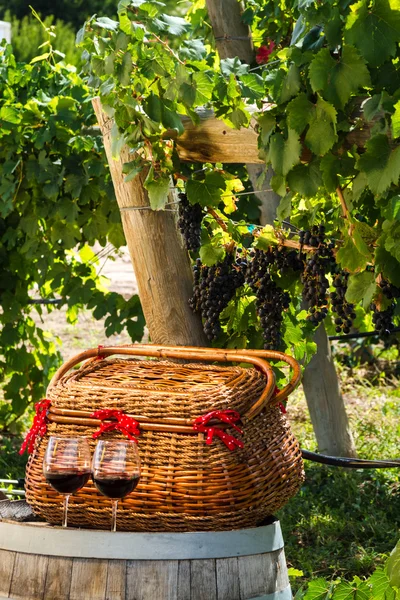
(214, 141)
(160, 261)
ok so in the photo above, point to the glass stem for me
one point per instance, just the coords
(114, 515)
(65, 519)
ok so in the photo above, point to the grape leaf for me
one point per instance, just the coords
(117, 141)
(124, 70)
(239, 117)
(350, 258)
(359, 185)
(380, 164)
(211, 254)
(290, 84)
(292, 572)
(153, 107)
(278, 184)
(360, 243)
(207, 192)
(386, 264)
(192, 50)
(285, 207)
(299, 112)
(321, 135)
(171, 120)
(396, 120)
(204, 86)
(284, 153)
(253, 86)
(381, 588)
(267, 124)
(318, 589)
(233, 66)
(391, 210)
(170, 24)
(374, 28)
(266, 238)
(131, 170)
(344, 591)
(338, 79)
(393, 566)
(305, 179)
(361, 287)
(330, 165)
(106, 23)
(10, 114)
(158, 189)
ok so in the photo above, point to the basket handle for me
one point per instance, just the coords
(185, 351)
(274, 355)
(181, 353)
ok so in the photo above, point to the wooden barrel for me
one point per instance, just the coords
(39, 562)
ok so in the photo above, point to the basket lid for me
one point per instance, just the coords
(157, 389)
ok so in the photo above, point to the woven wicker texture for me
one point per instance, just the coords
(186, 485)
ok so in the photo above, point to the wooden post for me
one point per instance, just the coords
(159, 259)
(232, 36)
(325, 401)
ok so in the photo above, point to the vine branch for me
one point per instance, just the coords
(342, 202)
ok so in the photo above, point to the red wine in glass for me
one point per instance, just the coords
(67, 483)
(116, 487)
(116, 471)
(66, 466)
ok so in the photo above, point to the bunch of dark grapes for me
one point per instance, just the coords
(344, 310)
(194, 301)
(271, 299)
(189, 222)
(391, 291)
(316, 267)
(383, 319)
(214, 287)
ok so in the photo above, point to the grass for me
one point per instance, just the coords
(344, 522)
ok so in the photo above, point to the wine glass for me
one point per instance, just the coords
(66, 466)
(116, 471)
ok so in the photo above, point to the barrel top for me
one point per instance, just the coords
(39, 538)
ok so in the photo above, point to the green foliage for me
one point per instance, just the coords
(378, 586)
(56, 200)
(71, 11)
(28, 34)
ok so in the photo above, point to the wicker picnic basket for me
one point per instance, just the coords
(186, 484)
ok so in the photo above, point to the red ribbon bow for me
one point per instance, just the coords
(39, 426)
(127, 425)
(226, 416)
